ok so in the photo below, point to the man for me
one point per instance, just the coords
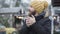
(37, 22)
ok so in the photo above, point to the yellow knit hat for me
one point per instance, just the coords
(39, 6)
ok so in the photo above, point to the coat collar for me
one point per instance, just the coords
(40, 16)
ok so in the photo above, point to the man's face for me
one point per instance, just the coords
(32, 11)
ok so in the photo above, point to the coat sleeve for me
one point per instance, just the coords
(24, 29)
(42, 27)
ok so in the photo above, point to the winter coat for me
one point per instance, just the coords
(42, 26)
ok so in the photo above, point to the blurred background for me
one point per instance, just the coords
(12, 14)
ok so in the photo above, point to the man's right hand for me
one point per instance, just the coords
(30, 20)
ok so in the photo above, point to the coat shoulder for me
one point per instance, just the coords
(45, 21)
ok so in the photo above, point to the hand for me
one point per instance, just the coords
(30, 20)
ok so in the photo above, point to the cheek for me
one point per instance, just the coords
(31, 9)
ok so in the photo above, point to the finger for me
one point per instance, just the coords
(32, 16)
(27, 22)
(29, 18)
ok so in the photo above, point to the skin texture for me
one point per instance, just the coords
(30, 20)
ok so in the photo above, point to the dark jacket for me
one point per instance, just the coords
(42, 26)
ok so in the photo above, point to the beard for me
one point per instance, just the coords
(32, 13)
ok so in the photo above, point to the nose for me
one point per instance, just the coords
(31, 9)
